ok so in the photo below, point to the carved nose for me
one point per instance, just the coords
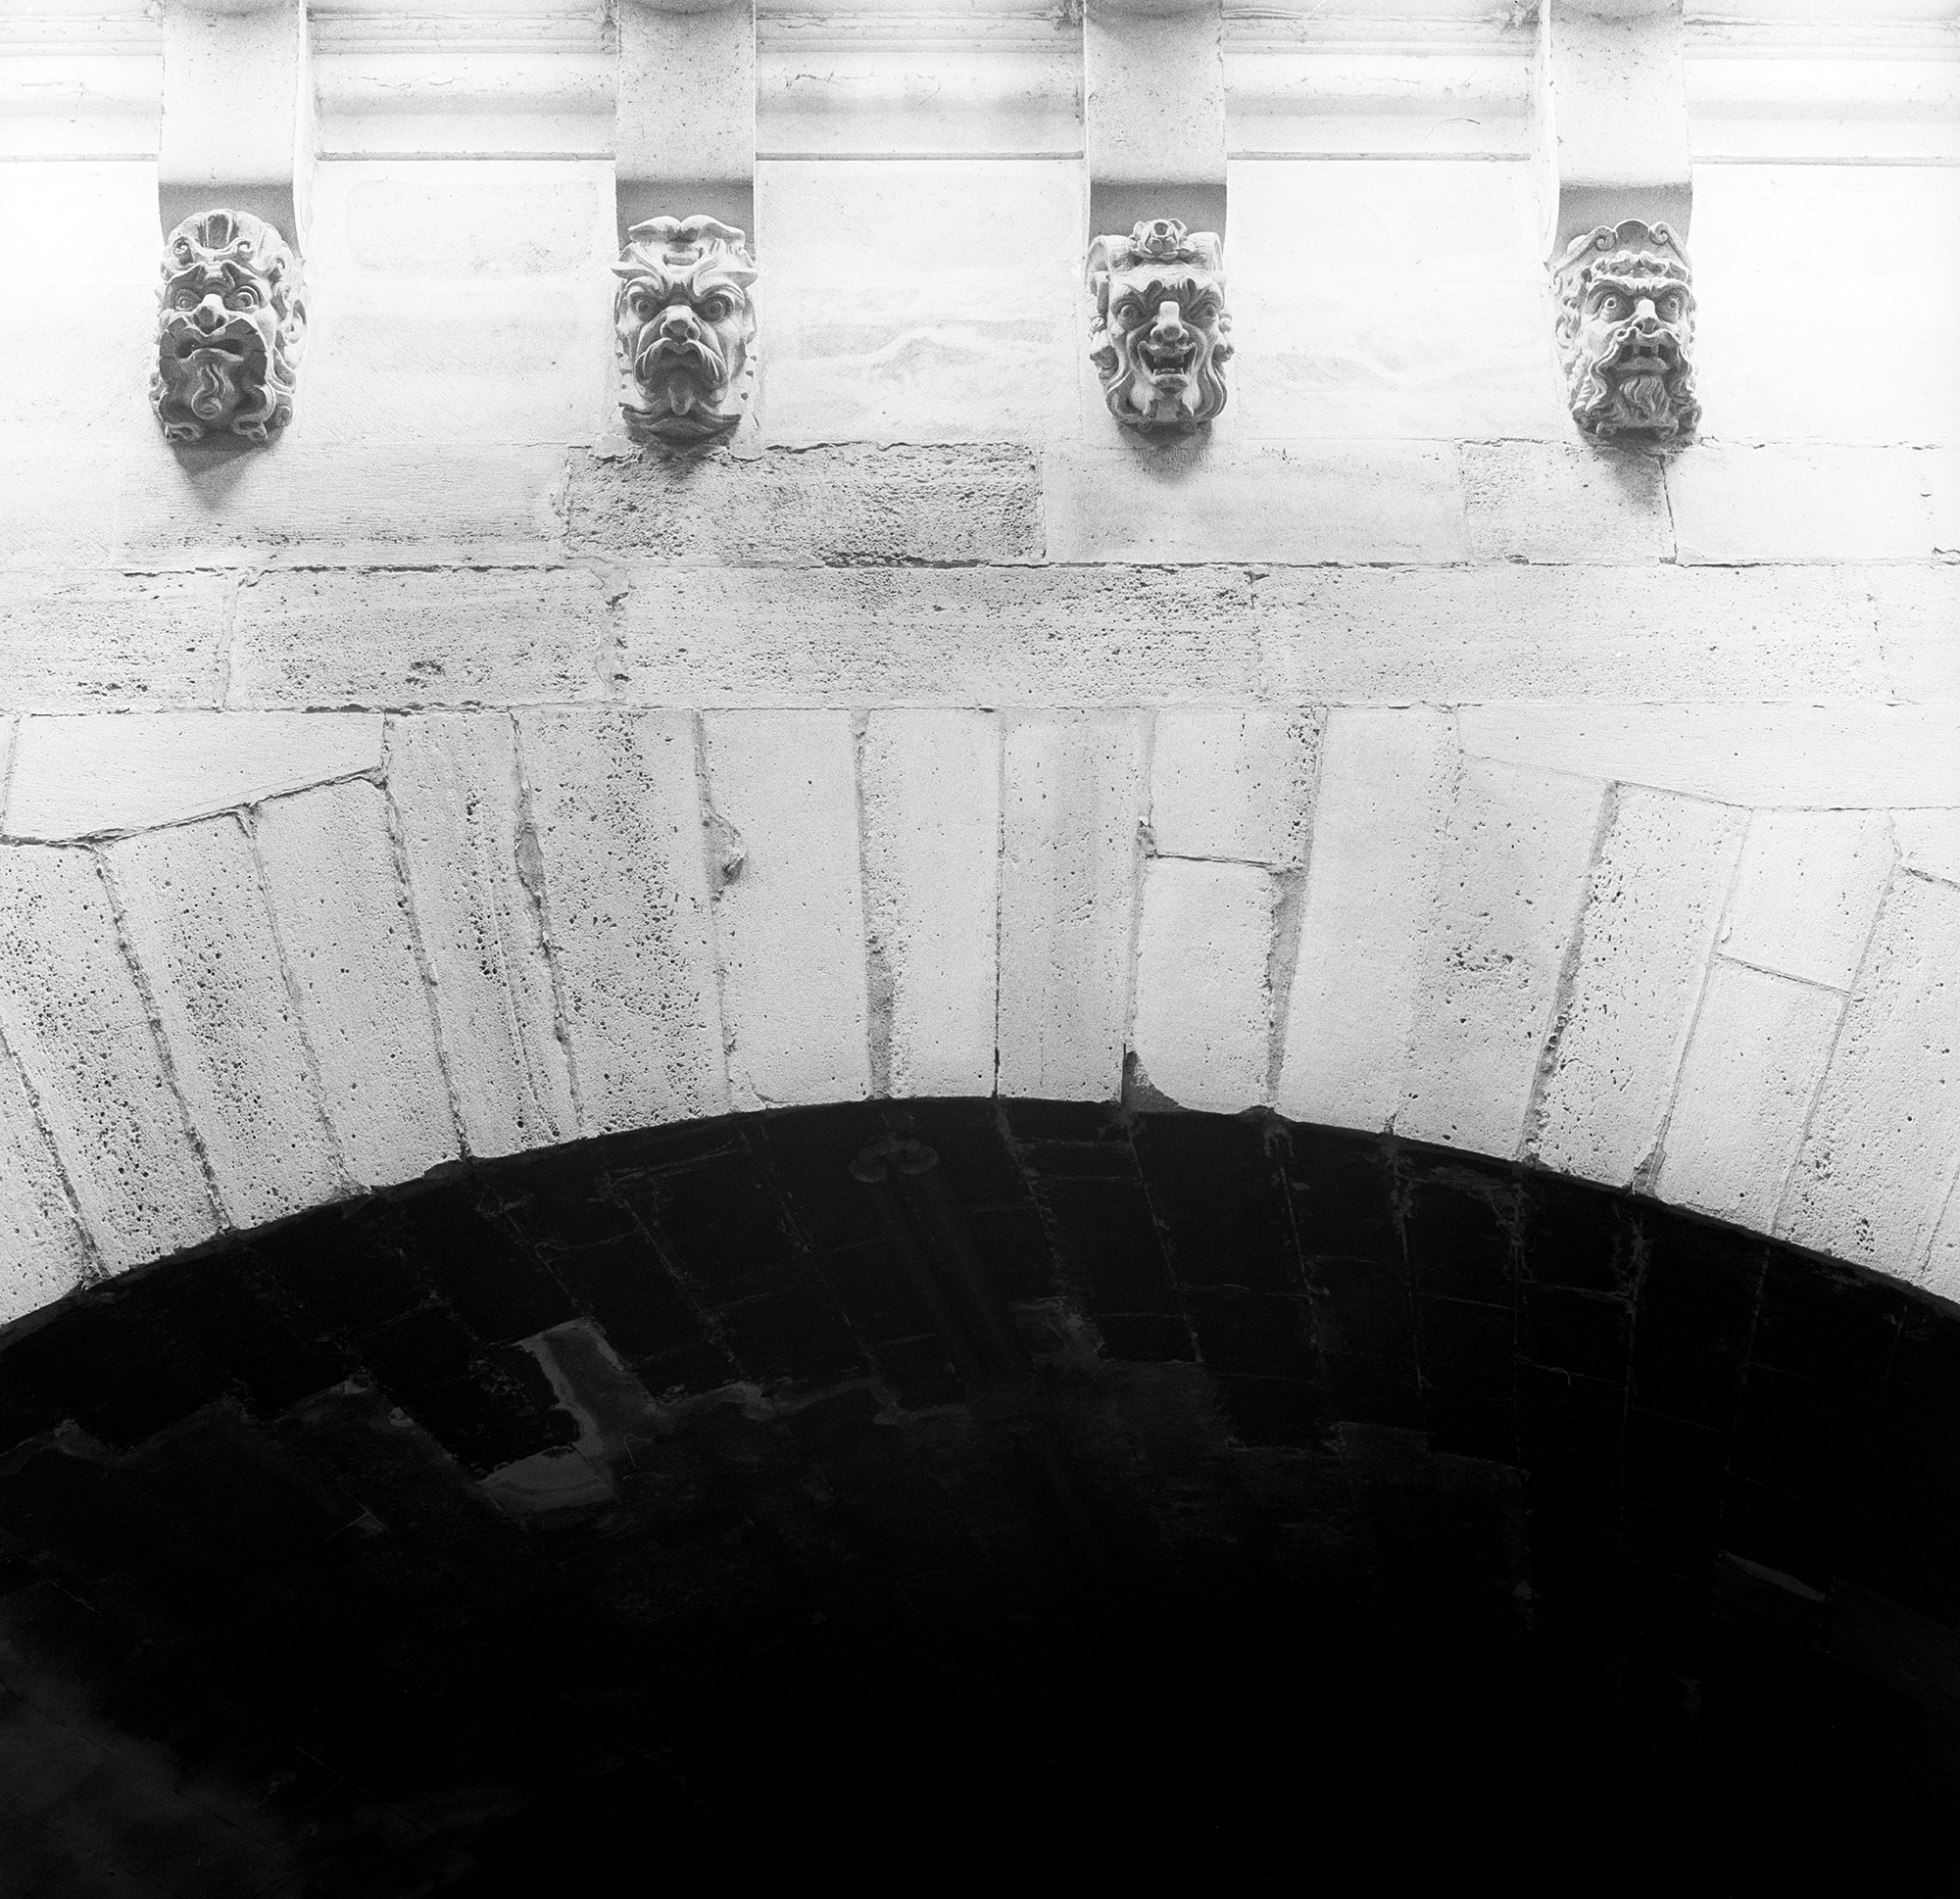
(209, 313)
(677, 324)
(1170, 322)
(1644, 318)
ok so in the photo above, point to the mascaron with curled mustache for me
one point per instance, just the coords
(230, 330)
(1163, 333)
(684, 324)
(1626, 332)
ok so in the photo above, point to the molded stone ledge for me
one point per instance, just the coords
(71, 641)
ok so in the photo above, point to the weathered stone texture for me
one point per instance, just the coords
(44, 1252)
(1928, 842)
(1806, 891)
(1235, 785)
(1565, 503)
(1800, 501)
(69, 642)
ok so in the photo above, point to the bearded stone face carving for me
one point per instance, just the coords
(230, 330)
(1625, 334)
(684, 324)
(1162, 334)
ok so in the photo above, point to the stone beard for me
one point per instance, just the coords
(230, 330)
(684, 324)
(1162, 334)
(1625, 334)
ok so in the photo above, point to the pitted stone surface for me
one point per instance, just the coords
(69, 642)
(1235, 785)
(44, 1252)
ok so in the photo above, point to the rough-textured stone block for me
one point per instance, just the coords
(93, 774)
(522, 636)
(1942, 1261)
(1877, 1158)
(1509, 888)
(1806, 891)
(73, 1016)
(1928, 842)
(1203, 1023)
(203, 937)
(833, 505)
(1299, 503)
(1565, 501)
(1799, 502)
(965, 637)
(1916, 614)
(465, 839)
(342, 913)
(1377, 835)
(43, 1251)
(791, 924)
(615, 814)
(931, 789)
(1754, 1062)
(1652, 907)
(69, 642)
(1071, 818)
(1237, 785)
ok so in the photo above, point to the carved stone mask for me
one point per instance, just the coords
(230, 330)
(1162, 333)
(1625, 334)
(684, 322)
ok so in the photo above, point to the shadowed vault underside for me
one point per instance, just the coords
(1027, 1477)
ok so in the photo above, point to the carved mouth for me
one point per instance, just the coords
(210, 345)
(1162, 361)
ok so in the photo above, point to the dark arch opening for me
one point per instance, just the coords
(913, 1484)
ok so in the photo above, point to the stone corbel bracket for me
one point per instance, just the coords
(1162, 334)
(233, 167)
(1625, 334)
(684, 324)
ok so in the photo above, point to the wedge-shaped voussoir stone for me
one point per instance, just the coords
(43, 1251)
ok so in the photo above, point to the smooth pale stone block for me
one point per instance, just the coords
(1846, 757)
(1565, 503)
(1928, 842)
(75, 1020)
(1939, 480)
(1235, 784)
(1334, 274)
(203, 937)
(1383, 793)
(466, 837)
(791, 924)
(1509, 888)
(1796, 502)
(876, 324)
(51, 511)
(1204, 1025)
(1299, 503)
(1153, 94)
(1807, 891)
(1754, 1062)
(931, 787)
(93, 774)
(1877, 1159)
(342, 914)
(1943, 1262)
(1652, 907)
(1916, 615)
(71, 641)
(43, 1251)
(521, 636)
(618, 854)
(1071, 819)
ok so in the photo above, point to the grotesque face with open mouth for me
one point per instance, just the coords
(230, 330)
(684, 322)
(1163, 333)
(1625, 334)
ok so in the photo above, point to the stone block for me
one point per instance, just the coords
(51, 511)
(74, 1018)
(99, 774)
(341, 910)
(1300, 503)
(1876, 1164)
(1928, 842)
(1916, 613)
(1203, 1029)
(466, 837)
(1235, 785)
(1942, 1261)
(1565, 503)
(1734, 503)
(619, 855)
(1383, 786)
(1754, 1058)
(1071, 849)
(44, 1253)
(931, 789)
(402, 640)
(790, 921)
(71, 642)
(845, 506)
(1939, 480)
(1509, 888)
(203, 937)
(1652, 907)
(1806, 891)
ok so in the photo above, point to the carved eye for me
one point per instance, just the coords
(643, 304)
(186, 300)
(1670, 308)
(1129, 310)
(243, 297)
(715, 309)
(1609, 305)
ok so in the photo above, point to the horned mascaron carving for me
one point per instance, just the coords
(1626, 332)
(684, 322)
(1162, 334)
(230, 330)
